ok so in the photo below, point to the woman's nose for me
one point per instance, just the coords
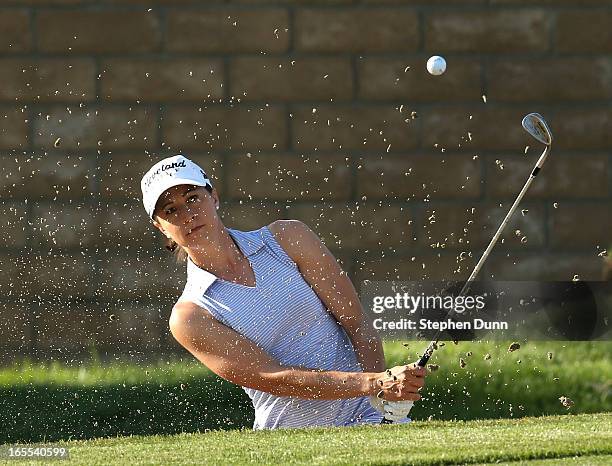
(190, 217)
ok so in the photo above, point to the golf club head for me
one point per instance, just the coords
(535, 125)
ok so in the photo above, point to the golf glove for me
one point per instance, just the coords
(393, 410)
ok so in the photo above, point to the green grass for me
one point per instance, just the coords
(86, 375)
(504, 387)
(579, 439)
(53, 401)
(588, 460)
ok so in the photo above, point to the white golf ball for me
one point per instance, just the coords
(436, 65)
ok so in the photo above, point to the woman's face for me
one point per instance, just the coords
(185, 212)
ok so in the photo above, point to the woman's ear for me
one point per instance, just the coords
(215, 197)
(157, 225)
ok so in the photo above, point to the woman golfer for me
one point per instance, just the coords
(272, 311)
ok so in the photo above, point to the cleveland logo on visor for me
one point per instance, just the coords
(163, 168)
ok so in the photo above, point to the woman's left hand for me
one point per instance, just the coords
(401, 383)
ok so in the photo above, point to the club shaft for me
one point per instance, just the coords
(527, 124)
(430, 348)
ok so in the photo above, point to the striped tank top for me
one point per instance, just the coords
(285, 317)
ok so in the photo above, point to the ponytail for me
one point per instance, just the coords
(180, 255)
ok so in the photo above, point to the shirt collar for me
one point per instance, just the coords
(199, 277)
(248, 242)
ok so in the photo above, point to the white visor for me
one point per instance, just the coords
(165, 174)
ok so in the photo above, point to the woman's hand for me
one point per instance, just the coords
(401, 383)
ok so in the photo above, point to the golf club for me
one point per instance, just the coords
(535, 125)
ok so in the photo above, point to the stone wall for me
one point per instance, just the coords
(315, 110)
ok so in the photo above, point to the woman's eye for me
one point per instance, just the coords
(171, 210)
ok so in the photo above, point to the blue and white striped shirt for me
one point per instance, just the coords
(285, 317)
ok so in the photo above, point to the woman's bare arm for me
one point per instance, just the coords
(237, 359)
(321, 270)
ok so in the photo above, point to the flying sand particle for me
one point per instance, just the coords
(462, 363)
(513, 347)
(566, 402)
(433, 367)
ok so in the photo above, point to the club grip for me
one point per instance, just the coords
(423, 361)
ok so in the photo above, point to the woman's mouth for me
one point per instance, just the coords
(195, 229)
